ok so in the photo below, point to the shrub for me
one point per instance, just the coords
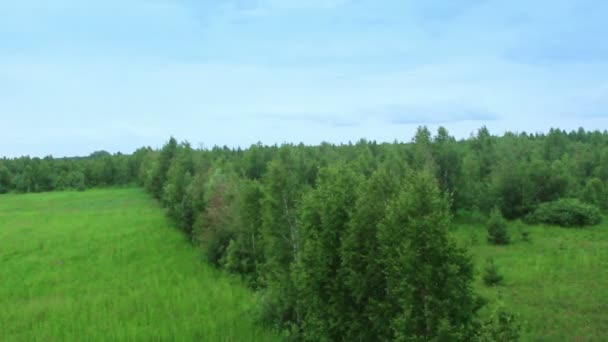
(501, 326)
(491, 276)
(497, 228)
(566, 213)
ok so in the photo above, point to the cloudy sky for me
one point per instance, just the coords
(78, 76)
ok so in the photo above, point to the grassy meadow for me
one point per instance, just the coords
(557, 282)
(108, 265)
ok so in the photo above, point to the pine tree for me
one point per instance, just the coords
(497, 228)
(491, 276)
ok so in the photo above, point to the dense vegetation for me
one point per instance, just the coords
(566, 212)
(352, 241)
(105, 265)
(27, 174)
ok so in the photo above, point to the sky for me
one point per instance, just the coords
(80, 76)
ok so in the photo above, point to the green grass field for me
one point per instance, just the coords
(557, 283)
(107, 265)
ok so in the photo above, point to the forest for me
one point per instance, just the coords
(352, 241)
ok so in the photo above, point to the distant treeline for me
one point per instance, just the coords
(27, 174)
(516, 171)
(349, 242)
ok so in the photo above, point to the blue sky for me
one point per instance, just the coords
(78, 76)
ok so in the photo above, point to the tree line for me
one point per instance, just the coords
(26, 174)
(350, 241)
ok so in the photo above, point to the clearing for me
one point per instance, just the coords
(557, 282)
(107, 265)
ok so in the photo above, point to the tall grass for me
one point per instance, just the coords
(107, 265)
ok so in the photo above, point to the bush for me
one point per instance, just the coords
(501, 326)
(497, 228)
(565, 213)
(491, 276)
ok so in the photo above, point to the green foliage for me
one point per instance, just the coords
(77, 181)
(159, 173)
(500, 326)
(361, 268)
(497, 228)
(179, 176)
(568, 212)
(483, 145)
(491, 275)
(429, 279)
(322, 294)
(474, 193)
(244, 253)
(422, 153)
(448, 160)
(5, 179)
(595, 193)
(193, 203)
(284, 184)
(216, 225)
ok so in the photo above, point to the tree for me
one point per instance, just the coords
(447, 160)
(5, 179)
(325, 213)
(193, 203)
(24, 181)
(429, 279)
(179, 176)
(555, 144)
(595, 193)
(422, 152)
(215, 227)
(148, 170)
(159, 176)
(245, 252)
(284, 184)
(256, 159)
(361, 269)
(491, 276)
(513, 189)
(483, 145)
(497, 228)
(473, 192)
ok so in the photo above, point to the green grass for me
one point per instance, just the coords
(107, 265)
(557, 283)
